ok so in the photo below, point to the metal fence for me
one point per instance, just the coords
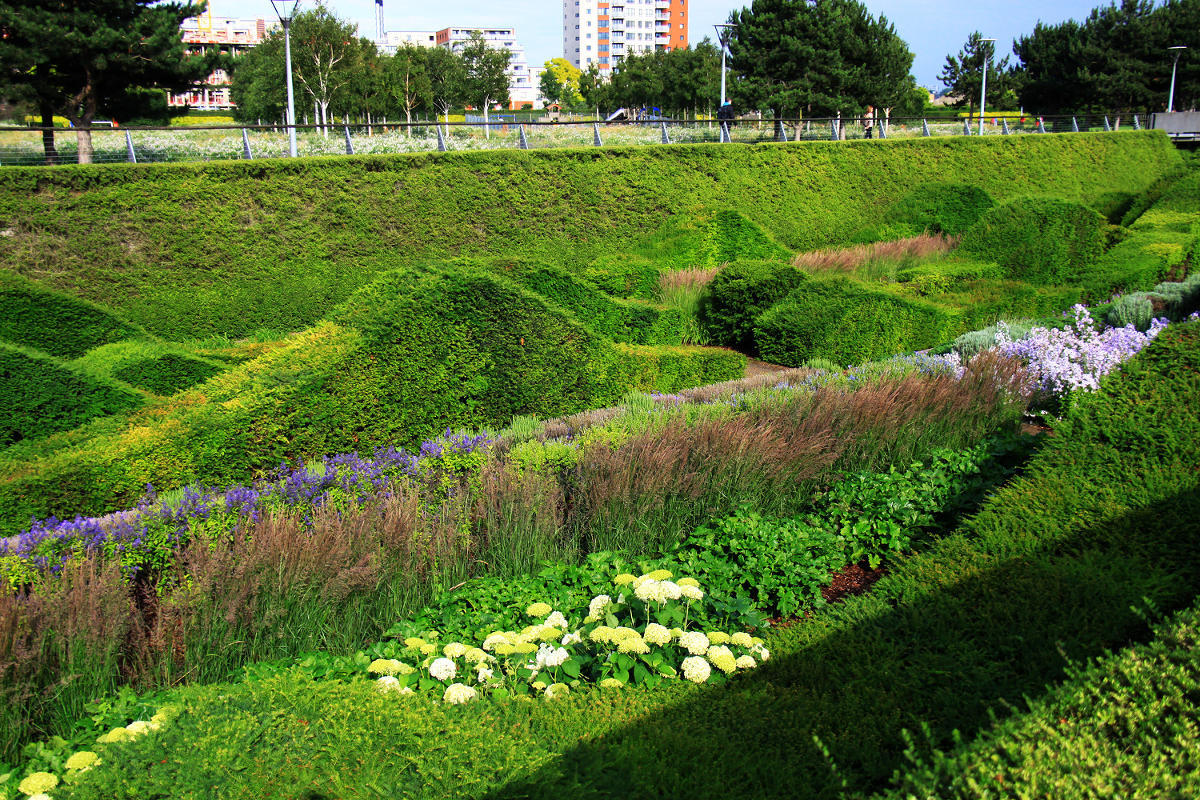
(24, 146)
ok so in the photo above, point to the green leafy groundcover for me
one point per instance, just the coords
(407, 357)
(1057, 564)
(275, 244)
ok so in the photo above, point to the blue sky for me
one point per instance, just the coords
(932, 28)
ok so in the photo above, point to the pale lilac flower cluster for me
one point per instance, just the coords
(1076, 357)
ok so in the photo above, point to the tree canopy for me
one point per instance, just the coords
(82, 58)
(816, 58)
(963, 75)
(560, 82)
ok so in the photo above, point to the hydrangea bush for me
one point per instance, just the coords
(643, 633)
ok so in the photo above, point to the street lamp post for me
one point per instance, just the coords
(285, 10)
(983, 88)
(723, 38)
(1178, 51)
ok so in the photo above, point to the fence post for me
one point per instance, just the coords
(780, 131)
(246, 146)
(522, 142)
(1137, 125)
(1107, 127)
(966, 128)
(1004, 126)
(665, 139)
(925, 128)
(1041, 128)
(349, 146)
(882, 129)
(596, 140)
(1074, 125)
(129, 148)
(833, 130)
(725, 137)
(441, 139)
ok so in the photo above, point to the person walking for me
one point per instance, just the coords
(869, 122)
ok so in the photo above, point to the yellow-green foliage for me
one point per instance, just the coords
(850, 322)
(410, 355)
(192, 250)
(152, 366)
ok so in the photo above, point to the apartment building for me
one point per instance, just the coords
(391, 41)
(204, 33)
(521, 86)
(602, 32)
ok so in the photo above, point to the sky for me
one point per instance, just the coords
(932, 28)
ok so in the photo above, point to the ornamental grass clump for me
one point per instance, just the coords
(639, 637)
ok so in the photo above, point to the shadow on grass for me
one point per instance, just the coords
(968, 627)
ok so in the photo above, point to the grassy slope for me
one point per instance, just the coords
(193, 250)
(1053, 568)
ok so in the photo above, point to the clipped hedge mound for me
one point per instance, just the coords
(1042, 240)
(276, 243)
(41, 396)
(948, 208)
(1159, 243)
(849, 322)
(155, 367)
(55, 323)
(622, 320)
(410, 355)
(738, 294)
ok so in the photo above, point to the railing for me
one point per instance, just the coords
(24, 146)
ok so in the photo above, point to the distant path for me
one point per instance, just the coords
(754, 368)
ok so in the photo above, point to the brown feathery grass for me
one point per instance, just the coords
(849, 259)
(694, 278)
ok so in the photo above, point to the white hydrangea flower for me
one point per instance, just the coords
(742, 639)
(572, 638)
(556, 620)
(551, 657)
(669, 590)
(722, 658)
(746, 662)
(646, 590)
(384, 666)
(691, 592)
(387, 683)
(694, 642)
(493, 639)
(443, 669)
(138, 727)
(455, 650)
(484, 673)
(718, 637)
(457, 693)
(762, 652)
(696, 669)
(557, 690)
(656, 634)
(597, 607)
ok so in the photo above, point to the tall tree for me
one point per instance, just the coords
(486, 74)
(560, 82)
(816, 57)
(326, 55)
(447, 79)
(82, 57)
(408, 81)
(963, 73)
(257, 79)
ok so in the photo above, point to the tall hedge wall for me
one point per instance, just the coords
(227, 248)
(55, 323)
(406, 357)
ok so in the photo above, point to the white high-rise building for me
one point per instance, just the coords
(602, 32)
(521, 88)
(394, 40)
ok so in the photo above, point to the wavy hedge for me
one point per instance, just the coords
(55, 323)
(738, 294)
(1042, 240)
(152, 366)
(410, 355)
(40, 396)
(189, 250)
(948, 208)
(849, 322)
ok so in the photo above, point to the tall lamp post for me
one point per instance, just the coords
(987, 57)
(1177, 50)
(723, 38)
(285, 10)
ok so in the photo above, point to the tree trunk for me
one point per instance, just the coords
(487, 132)
(48, 135)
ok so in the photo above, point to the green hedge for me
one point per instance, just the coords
(1159, 243)
(622, 320)
(948, 208)
(40, 396)
(191, 250)
(153, 366)
(55, 323)
(738, 294)
(1044, 241)
(412, 354)
(849, 322)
